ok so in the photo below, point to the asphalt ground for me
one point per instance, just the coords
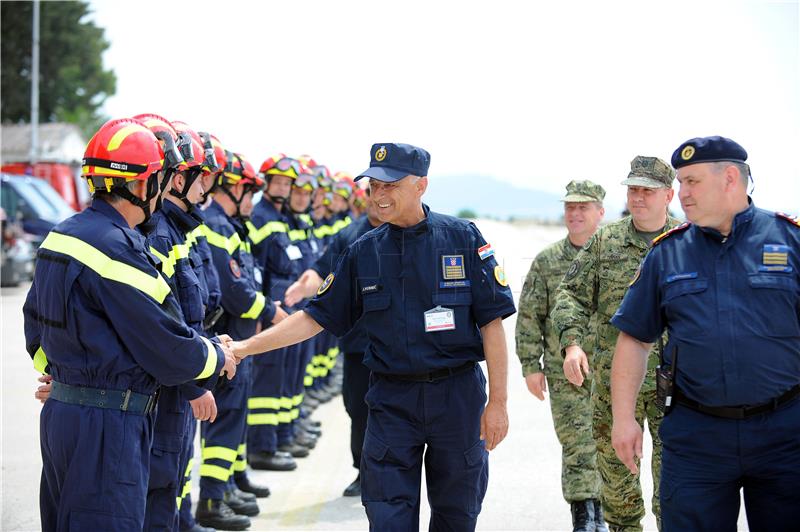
(524, 491)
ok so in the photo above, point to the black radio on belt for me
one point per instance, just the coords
(665, 380)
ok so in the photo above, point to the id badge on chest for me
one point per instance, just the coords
(439, 319)
(293, 252)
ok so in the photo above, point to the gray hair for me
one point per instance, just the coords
(744, 169)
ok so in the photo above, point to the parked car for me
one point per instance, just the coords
(65, 179)
(34, 203)
(16, 253)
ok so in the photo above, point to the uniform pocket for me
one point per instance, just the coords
(477, 474)
(770, 293)
(686, 302)
(191, 299)
(371, 469)
(376, 312)
(461, 305)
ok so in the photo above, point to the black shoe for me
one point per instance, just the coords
(305, 439)
(277, 461)
(244, 484)
(198, 528)
(354, 489)
(216, 514)
(310, 402)
(246, 497)
(599, 521)
(248, 508)
(297, 451)
(310, 428)
(582, 516)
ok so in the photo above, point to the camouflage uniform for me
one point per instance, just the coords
(536, 338)
(593, 288)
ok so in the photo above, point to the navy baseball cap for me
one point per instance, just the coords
(708, 150)
(390, 162)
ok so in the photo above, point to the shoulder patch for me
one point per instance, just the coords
(683, 227)
(573, 270)
(789, 218)
(325, 284)
(500, 276)
(235, 268)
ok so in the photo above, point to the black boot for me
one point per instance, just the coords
(245, 496)
(305, 439)
(216, 514)
(354, 489)
(248, 508)
(599, 522)
(277, 461)
(583, 516)
(297, 451)
(244, 484)
(198, 528)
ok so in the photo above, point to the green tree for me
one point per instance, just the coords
(467, 213)
(72, 81)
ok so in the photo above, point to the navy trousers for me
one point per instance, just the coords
(438, 422)
(265, 401)
(95, 467)
(706, 461)
(355, 383)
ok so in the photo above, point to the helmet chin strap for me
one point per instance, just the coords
(153, 189)
(189, 178)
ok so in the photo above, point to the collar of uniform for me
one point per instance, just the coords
(415, 230)
(633, 238)
(183, 220)
(741, 219)
(104, 208)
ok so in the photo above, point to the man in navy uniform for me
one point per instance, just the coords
(101, 320)
(431, 298)
(727, 289)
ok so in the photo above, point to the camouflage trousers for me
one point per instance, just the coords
(620, 491)
(571, 407)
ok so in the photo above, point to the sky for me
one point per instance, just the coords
(534, 93)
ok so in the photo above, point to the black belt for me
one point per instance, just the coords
(431, 376)
(126, 401)
(739, 412)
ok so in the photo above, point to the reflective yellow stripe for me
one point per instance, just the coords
(40, 360)
(189, 466)
(298, 234)
(262, 419)
(92, 170)
(240, 465)
(123, 133)
(187, 488)
(284, 417)
(217, 472)
(167, 266)
(306, 218)
(211, 359)
(256, 235)
(297, 399)
(217, 240)
(308, 380)
(338, 225)
(258, 306)
(273, 403)
(242, 449)
(286, 402)
(245, 246)
(155, 287)
(220, 453)
(323, 231)
(294, 413)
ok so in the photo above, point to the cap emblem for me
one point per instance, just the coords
(380, 154)
(687, 153)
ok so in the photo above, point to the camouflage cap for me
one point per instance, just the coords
(583, 191)
(650, 172)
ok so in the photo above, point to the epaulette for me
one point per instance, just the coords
(684, 226)
(789, 218)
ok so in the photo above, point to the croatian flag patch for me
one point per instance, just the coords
(484, 252)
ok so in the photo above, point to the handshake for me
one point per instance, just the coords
(233, 354)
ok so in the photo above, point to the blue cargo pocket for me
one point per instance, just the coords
(477, 475)
(96, 521)
(191, 298)
(377, 315)
(372, 459)
(131, 463)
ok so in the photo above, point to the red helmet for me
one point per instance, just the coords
(190, 144)
(280, 164)
(164, 131)
(121, 150)
(249, 175)
(343, 184)
(323, 176)
(220, 153)
(308, 161)
(306, 179)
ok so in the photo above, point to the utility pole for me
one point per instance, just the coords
(34, 153)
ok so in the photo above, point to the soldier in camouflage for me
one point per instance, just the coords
(593, 288)
(540, 354)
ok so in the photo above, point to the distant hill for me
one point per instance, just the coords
(491, 197)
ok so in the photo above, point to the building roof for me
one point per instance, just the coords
(58, 142)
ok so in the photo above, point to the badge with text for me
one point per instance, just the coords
(439, 319)
(325, 284)
(453, 267)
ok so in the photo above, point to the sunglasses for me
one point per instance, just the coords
(285, 165)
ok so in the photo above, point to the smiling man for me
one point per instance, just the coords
(587, 298)
(537, 339)
(431, 298)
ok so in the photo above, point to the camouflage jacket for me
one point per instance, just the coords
(535, 335)
(596, 282)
